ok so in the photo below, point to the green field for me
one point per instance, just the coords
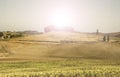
(63, 55)
(61, 68)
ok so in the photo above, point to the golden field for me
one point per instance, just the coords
(59, 54)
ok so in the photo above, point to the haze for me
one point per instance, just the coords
(83, 15)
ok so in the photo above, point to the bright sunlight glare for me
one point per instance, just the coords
(61, 19)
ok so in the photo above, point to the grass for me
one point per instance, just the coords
(60, 68)
(43, 59)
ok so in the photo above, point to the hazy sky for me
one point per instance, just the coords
(83, 15)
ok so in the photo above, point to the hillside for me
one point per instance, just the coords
(60, 36)
(60, 46)
(59, 54)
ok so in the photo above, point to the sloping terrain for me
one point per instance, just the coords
(60, 36)
(42, 47)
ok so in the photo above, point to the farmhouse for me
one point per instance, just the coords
(69, 29)
(51, 28)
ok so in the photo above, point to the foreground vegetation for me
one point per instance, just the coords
(61, 68)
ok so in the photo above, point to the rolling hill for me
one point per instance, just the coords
(60, 45)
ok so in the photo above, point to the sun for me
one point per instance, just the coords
(61, 19)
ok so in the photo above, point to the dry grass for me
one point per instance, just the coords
(89, 46)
